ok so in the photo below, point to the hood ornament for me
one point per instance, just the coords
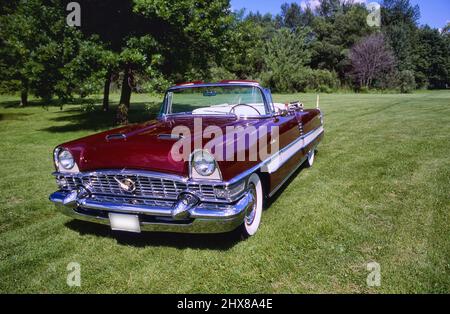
(126, 184)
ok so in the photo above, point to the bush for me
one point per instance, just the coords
(217, 74)
(300, 81)
(407, 82)
(323, 81)
(364, 90)
(90, 106)
(388, 81)
(288, 82)
(324, 89)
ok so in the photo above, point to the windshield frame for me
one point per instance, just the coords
(264, 94)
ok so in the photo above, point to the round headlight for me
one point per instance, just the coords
(65, 159)
(204, 163)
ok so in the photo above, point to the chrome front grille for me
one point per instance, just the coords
(146, 186)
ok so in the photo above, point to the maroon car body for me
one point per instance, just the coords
(130, 172)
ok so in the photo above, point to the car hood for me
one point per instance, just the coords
(145, 146)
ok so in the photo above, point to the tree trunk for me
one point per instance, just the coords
(106, 91)
(24, 97)
(125, 94)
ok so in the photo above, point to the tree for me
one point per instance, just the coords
(328, 8)
(370, 59)
(155, 38)
(399, 23)
(400, 12)
(293, 16)
(407, 82)
(114, 23)
(192, 33)
(286, 57)
(446, 38)
(139, 56)
(21, 34)
(245, 57)
(84, 71)
(41, 54)
(335, 37)
(432, 58)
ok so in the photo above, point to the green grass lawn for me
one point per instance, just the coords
(379, 191)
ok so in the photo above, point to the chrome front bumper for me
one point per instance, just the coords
(197, 219)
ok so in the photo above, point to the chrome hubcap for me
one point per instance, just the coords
(250, 216)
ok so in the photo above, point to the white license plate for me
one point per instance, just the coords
(124, 222)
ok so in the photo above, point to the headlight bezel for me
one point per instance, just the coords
(203, 163)
(195, 170)
(61, 165)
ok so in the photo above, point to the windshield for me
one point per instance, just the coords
(216, 100)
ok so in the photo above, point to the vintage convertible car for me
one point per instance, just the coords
(171, 174)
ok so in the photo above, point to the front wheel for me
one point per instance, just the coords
(253, 216)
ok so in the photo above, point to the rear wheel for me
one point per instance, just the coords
(253, 216)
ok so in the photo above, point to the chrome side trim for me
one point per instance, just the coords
(286, 153)
(262, 164)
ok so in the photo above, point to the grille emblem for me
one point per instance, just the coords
(126, 184)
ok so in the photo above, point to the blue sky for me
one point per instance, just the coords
(435, 13)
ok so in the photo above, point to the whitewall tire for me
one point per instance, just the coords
(253, 216)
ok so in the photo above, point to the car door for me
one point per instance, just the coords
(289, 154)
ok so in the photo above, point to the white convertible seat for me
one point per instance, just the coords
(279, 106)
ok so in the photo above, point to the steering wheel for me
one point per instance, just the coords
(232, 109)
